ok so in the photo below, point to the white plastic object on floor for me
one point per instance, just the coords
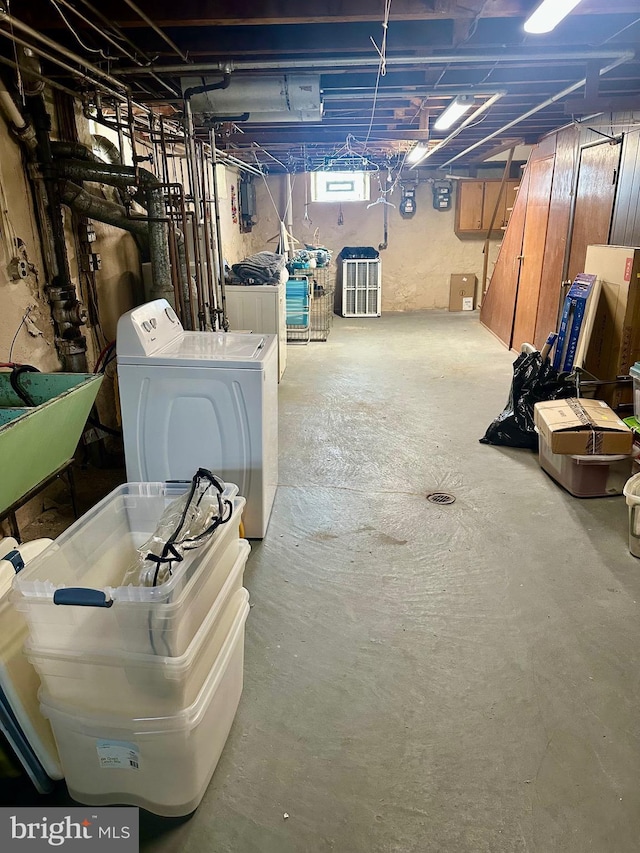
(141, 685)
(18, 679)
(199, 399)
(586, 476)
(162, 764)
(632, 496)
(634, 372)
(93, 554)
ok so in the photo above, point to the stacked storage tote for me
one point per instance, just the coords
(141, 683)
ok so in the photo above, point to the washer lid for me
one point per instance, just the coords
(209, 349)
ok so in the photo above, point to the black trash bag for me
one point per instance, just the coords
(533, 381)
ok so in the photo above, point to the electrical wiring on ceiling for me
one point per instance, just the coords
(75, 34)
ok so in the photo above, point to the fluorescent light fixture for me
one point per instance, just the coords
(548, 15)
(453, 112)
(417, 152)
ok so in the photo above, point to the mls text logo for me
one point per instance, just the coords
(29, 830)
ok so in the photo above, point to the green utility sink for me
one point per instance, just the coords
(35, 442)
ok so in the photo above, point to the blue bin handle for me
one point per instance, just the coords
(82, 597)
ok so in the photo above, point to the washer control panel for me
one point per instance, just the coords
(147, 329)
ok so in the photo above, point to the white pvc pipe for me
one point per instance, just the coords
(11, 111)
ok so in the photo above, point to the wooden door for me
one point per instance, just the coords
(595, 194)
(498, 303)
(558, 231)
(469, 206)
(533, 246)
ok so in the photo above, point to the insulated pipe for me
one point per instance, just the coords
(126, 176)
(159, 248)
(75, 150)
(109, 151)
(91, 169)
(17, 24)
(94, 207)
(357, 62)
(622, 58)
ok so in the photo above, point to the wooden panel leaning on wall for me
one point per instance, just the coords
(498, 303)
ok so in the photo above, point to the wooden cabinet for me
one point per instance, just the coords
(476, 201)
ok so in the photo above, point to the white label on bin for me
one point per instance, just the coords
(467, 303)
(118, 754)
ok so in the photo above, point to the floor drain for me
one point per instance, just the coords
(441, 498)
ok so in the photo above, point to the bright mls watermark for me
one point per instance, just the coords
(83, 829)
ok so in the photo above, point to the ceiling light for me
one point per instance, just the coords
(417, 152)
(456, 108)
(548, 15)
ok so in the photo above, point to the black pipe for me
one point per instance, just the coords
(70, 341)
(208, 87)
(42, 127)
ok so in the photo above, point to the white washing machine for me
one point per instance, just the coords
(199, 399)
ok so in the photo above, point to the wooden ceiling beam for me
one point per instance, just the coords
(263, 12)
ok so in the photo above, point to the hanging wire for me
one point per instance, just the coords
(15, 55)
(275, 206)
(382, 66)
(24, 317)
(75, 34)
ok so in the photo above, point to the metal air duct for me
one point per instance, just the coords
(267, 98)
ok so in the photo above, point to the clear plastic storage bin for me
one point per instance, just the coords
(19, 682)
(94, 553)
(586, 476)
(632, 496)
(162, 764)
(139, 684)
(634, 372)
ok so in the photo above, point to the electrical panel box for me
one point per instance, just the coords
(247, 204)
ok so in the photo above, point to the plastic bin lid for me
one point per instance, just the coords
(184, 720)
(635, 370)
(604, 459)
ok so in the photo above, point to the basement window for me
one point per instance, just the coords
(340, 186)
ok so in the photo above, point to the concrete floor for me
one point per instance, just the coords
(418, 678)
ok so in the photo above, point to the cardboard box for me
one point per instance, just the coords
(461, 290)
(582, 427)
(615, 337)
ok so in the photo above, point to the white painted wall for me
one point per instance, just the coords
(423, 252)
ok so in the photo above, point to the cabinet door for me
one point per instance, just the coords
(491, 193)
(469, 207)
